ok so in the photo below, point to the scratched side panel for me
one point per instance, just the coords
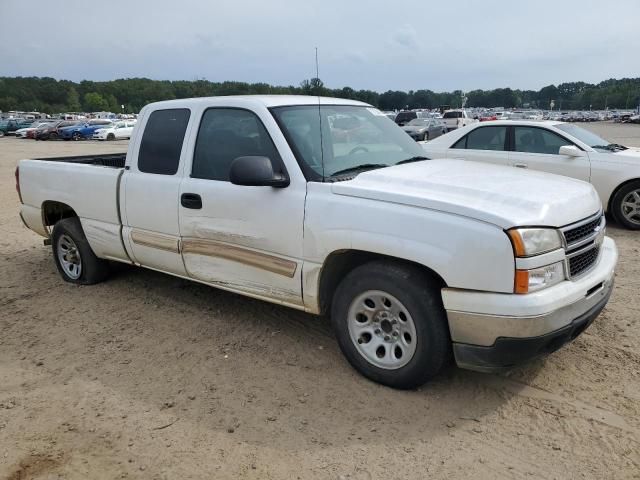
(104, 239)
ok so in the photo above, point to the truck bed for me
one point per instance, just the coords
(115, 160)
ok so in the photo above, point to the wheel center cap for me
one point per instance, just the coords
(386, 326)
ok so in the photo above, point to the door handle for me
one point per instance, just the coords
(521, 165)
(191, 200)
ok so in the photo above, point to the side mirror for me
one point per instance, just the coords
(256, 172)
(571, 151)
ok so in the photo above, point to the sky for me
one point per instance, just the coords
(378, 45)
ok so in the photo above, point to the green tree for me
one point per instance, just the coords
(73, 100)
(94, 102)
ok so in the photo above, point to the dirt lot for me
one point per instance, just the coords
(149, 376)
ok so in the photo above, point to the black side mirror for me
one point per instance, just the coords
(256, 172)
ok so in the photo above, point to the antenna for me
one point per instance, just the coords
(319, 114)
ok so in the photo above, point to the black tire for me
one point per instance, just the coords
(111, 136)
(425, 137)
(53, 136)
(76, 136)
(617, 209)
(93, 269)
(1, 133)
(420, 296)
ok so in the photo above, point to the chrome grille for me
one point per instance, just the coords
(583, 261)
(582, 244)
(581, 232)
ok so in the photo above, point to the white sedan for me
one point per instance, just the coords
(554, 147)
(117, 131)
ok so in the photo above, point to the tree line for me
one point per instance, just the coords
(45, 94)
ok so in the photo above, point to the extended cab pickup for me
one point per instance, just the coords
(413, 259)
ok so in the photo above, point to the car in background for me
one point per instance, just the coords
(488, 117)
(554, 147)
(117, 131)
(404, 117)
(8, 127)
(82, 131)
(454, 119)
(424, 128)
(50, 131)
(24, 132)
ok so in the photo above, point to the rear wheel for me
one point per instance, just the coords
(625, 205)
(73, 255)
(391, 325)
(1, 133)
(53, 136)
(76, 136)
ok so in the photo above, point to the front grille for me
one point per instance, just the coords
(582, 262)
(577, 234)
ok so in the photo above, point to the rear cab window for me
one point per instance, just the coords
(162, 141)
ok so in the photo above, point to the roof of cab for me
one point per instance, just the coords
(267, 101)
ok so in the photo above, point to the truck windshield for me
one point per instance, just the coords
(351, 137)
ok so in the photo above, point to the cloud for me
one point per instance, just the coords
(370, 44)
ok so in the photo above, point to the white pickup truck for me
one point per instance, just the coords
(274, 198)
(454, 119)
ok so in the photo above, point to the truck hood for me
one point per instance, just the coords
(503, 196)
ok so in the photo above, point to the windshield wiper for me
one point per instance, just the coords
(358, 168)
(611, 147)
(413, 159)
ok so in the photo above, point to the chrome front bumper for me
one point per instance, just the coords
(484, 323)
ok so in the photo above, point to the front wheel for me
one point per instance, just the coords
(391, 325)
(76, 136)
(625, 206)
(1, 133)
(53, 136)
(425, 137)
(73, 255)
(111, 136)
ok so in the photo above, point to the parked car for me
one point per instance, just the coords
(417, 261)
(425, 128)
(24, 132)
(117, 131)
(82, 131)
(404, 117)
(8, 127)
(555, 147)
(50, 131)
(454, 119)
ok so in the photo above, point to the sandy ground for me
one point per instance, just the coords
(148, 376)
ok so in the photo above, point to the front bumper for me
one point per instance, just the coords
(507, 329)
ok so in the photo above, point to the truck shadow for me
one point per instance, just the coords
(257, 362)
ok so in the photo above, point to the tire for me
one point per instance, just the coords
(76, 136)
(73, 256)
(1, 133)
(53, 136)
(396, 307)
(625, 205)
(425, 137)
(111, 136)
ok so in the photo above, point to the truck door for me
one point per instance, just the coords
(241, 238)
(151, 190)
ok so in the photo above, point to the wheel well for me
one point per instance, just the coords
(339, 264)
(53, 212)
(617, 189)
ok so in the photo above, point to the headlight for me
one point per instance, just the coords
(534, 241)
(528, 281)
